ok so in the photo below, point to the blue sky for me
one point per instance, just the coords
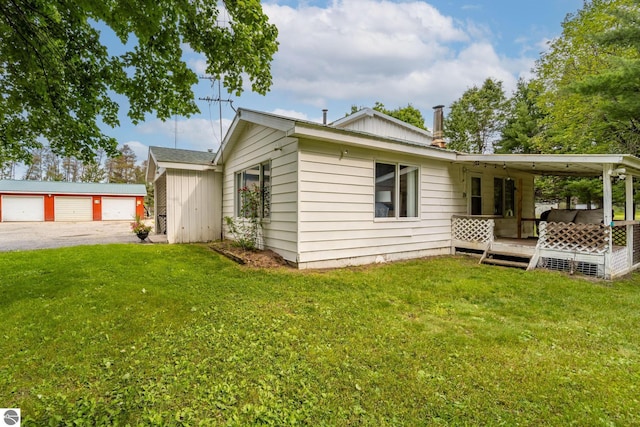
(335, 54)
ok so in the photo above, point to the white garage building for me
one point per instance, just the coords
(69, 201)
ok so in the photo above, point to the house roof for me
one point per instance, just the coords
(539, 164)
(556, 164)
(298, 128)
(173, 155)
(61, 187)
(162, 158)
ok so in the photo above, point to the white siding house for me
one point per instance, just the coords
(369, 188)
(338, 223)
(323, 187)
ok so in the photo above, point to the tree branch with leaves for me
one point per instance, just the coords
(57, 78)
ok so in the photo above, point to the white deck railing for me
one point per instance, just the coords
(471, 232)
(604, 250)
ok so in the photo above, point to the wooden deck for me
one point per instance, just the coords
(524, 247)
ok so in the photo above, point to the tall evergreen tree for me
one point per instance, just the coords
(122, 168)
(523, 121)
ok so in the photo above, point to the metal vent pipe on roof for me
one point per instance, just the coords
(324, 116)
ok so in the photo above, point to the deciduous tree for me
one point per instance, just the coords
(475, 120)
(57, 77)
(574, 121)
(617, 86)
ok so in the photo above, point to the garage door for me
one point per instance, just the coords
(73, 209)
(22, 208)
(118, 208)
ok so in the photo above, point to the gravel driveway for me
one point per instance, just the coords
(20, 236)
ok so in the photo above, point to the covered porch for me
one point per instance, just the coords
(600, 247)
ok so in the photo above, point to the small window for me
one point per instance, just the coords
(476, 195)
(257, 178)
(396, 191)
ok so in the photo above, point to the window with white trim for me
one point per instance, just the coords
(256, 178)
(396, 190)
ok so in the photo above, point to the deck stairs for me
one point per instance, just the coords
(508, 255)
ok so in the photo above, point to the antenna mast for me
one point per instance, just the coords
(219, 100)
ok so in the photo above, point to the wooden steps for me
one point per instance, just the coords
(506, 259)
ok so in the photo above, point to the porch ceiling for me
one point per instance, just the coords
(555, 164)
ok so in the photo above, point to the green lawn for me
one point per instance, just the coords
(177, 335)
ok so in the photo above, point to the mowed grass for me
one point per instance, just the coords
(178, 335)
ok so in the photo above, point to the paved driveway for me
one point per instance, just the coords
(19, 236)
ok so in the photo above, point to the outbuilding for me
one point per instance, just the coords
(187, 194)
(22, 201)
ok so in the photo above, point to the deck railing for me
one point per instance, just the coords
(581, 238)
(608, 251)
(593, 249)
(472, 229)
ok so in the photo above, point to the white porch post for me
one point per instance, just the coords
(607, 207)
(629, 217)
(607, 203)
(629, 198)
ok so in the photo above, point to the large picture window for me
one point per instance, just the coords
(257, 178)
(396, 192)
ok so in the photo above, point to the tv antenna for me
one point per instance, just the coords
(217, 100)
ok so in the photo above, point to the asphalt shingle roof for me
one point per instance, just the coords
(174, 155)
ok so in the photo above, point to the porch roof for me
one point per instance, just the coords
(557, 164)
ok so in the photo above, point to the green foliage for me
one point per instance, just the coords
(617, 86)
(246, 228)
(575, 122)
(122, 168)
(57, 77)
(523, 120)
(138, 226)
(175, 335)
(475, 120)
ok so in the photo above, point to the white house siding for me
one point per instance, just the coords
(193, 200)
(336, 208)
(258, 144)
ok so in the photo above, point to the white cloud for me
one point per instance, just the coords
(192, 134)
(198, 64)
(290, 113)
(362, 51)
